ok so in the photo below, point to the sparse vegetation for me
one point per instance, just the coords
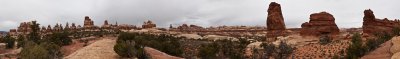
(10, 42)
(269, 50)
(165, 43)
(37, 48)
(224, 49)
(357, 49)
(282, 51)
(21, 41)
(60, 38)
(324, 39)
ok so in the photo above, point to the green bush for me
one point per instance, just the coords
(356, 49)
(128, 49)
(208, 51)
(45, 50)
(34, 51)
(10, 41)
(60, 38)
(165, 43)
(21, 41)
(223, 49)
(269, 49)
(324, 39)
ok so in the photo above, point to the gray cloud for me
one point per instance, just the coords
(348, 13)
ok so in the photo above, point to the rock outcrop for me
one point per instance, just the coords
(106, 25)
(88, 23)
(321, 23)
(148, 24)
(275, 22)
(372, 26)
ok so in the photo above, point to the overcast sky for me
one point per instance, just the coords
(348, 13)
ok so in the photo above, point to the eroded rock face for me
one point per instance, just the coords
(106, 25)
(275, 22)
(88, 23)
(320, 24)
(148, 24)
(372, 26)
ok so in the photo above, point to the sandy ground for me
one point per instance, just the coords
(76, 45)
(101, 49)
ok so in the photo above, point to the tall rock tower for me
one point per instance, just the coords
(275, 23)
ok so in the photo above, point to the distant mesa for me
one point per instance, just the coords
(321, 23)
(275, 22)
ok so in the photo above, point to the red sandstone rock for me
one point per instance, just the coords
(88, 23)
(275, 22)
(320, 23)
(371, 25)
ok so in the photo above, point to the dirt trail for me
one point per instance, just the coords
(102, 49)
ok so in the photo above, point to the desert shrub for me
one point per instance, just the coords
(53, 50)
(396, 31)
(165, 43)
(128, 49)
(21, 41)
(284, 50)
(324, 39)
(269, 49)
(60, 38)
(355, 49)
(208, 51)
(34, 35)
(34, 51)
(10, 41)
(45, 50)
(37, 48)
(224, 48)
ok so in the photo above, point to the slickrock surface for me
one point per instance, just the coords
(102, 49)
(382, 52)
(396, 45)
(396, 56)
(155, 54)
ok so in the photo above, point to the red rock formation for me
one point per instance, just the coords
(320, 23)
(88, 23)
(66, 26)
(106, 25)
(73, 27)
(24, 28)
(148, 24)
(275, 21)
(371, 25)
(48, 28)
(13, 32)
